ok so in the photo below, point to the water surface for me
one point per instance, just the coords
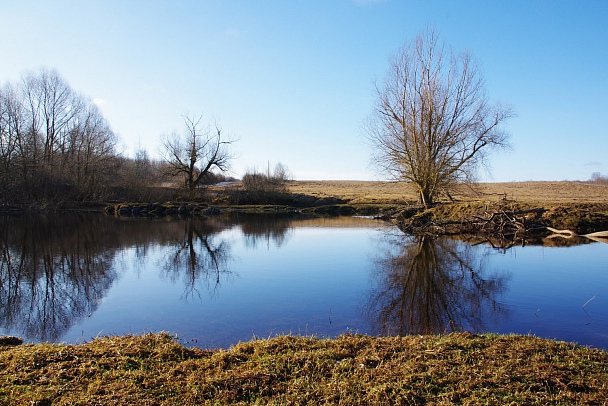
(227, 279)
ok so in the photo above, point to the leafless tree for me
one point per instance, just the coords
(10, 125)
(52, 106)
(89, 153)
(432, 125)
(596, 177)
(55, 145)
(196, 153)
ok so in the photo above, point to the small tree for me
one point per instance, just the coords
(195, 153)
(432, 124)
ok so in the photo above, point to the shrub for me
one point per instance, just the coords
(265, 188)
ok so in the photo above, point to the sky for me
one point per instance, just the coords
(293, 80)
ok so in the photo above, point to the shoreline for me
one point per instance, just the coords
(349, 369)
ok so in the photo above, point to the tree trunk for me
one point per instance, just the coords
(426, 198)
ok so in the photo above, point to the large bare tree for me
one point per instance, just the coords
(196, 152)
(432, 125)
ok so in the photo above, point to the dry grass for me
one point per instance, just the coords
(452, 369)
(359, 192)
(356, 192)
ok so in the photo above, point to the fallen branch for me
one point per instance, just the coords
(559, 233)
(499, 223)
(599, 236)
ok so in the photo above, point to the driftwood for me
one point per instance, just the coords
(501, 228)
(599, 236)
(496, 223)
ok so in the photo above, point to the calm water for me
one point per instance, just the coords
(216, 282)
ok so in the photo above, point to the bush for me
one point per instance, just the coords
(266, 188)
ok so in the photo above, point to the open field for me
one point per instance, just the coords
(361, 192)
(459, 368)
(581, 207)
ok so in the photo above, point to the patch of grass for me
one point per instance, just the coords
(153, 369)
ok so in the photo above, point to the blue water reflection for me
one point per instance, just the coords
(227, 279)
(557, 293)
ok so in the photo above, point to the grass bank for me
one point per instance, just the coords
(458, 368)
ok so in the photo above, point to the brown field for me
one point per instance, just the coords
(362, 192)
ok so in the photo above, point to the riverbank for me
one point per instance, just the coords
(514, 211)
(459, 368)
(370, 197)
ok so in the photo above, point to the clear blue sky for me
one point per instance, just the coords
(293, 80)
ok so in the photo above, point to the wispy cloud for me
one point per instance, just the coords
(593, 163)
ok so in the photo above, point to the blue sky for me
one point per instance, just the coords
(293, 80)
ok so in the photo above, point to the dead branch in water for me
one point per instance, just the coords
(599, 236)
(504, 223)
(498, 223)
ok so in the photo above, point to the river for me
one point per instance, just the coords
(214, 282)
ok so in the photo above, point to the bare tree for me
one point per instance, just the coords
(432, 125)
(596, 177)
(196, 153)
(55, 144)
(10, 127)
(53, 107)
(89, 156)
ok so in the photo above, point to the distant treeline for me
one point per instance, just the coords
(597, 177)
(56, 149)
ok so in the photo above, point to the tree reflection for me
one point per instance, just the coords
(50, 274)
(261, 228)
(435, 286)
(198, 255)
(54, 271)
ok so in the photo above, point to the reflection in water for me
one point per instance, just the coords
(295, 274)
(433, 286)
(56, 270)
(51, 273)
(260, 228)
(197, 256)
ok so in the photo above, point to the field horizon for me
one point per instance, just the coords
(392, 192)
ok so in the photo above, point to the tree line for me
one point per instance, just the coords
(432, 126)
(57, 149)
(55, 145)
